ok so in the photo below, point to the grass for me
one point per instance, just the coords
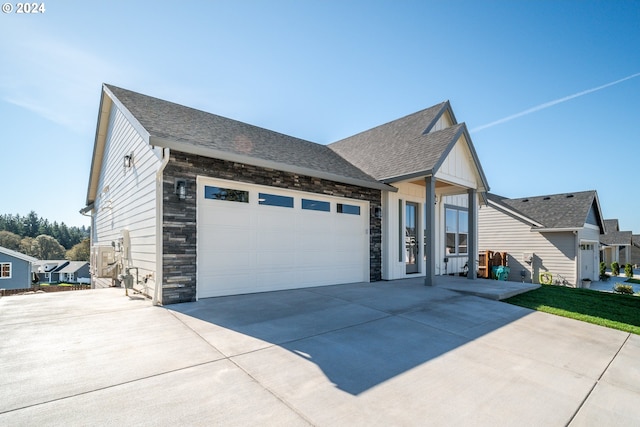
(635, 281)
(615, 311)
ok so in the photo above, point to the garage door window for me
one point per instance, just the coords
(316, 205)
(227, 194)
(348, 209)
(275, 200)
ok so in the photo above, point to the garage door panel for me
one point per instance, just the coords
(274, 240)
(275, 259)
(249, 247)
(221, 213)
(231, 239)
(312, 259)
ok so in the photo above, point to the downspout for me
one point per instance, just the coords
(157, 296)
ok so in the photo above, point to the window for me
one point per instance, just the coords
(456, 230)
(348, 209)
(5, 270)
(316, 205)
(228, 194)
(275, 200)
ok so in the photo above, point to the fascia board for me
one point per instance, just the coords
(104, 110)
(554, 230)
(233, 157)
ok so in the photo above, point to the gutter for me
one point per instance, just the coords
(166, 154)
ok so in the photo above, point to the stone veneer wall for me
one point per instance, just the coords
(179, 216)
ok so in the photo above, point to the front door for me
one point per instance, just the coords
(412, 246)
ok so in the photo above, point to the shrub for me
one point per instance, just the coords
(615, 269)
(623, 289)
(628, 270)
(603, 271)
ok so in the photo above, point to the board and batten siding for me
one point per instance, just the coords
(126, 198)
(394, 266)
(553, 252)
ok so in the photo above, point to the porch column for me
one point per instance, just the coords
(472, 246)
(430, 226)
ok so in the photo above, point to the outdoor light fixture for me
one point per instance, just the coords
(377, 212)
(180, 189)
(128, 160)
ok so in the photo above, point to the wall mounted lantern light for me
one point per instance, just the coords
(180, 189)
(128, 160)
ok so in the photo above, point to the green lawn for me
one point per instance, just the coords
(601, 308)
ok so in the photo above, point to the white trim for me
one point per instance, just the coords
(10, 264)
(157, 291)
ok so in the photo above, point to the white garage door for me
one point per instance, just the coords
(255, 238)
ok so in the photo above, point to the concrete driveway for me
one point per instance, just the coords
(388, 353)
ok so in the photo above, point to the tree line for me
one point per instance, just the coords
(41, 239)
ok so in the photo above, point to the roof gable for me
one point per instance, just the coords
(166, 124)
(18, 255)
(408, 147)
(566, 211)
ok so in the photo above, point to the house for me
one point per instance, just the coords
(186, 204)
(15, 269)
(57, 271)
(635, 250)
(557, 234)
(615, 245)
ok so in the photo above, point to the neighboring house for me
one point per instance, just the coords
(558, 233)
(59, 271)
(615, 245)
(15, 269)
(186, 204)
(635, 250)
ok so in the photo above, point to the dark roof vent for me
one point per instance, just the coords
(547, 198)
(525, 200)
(569, 196)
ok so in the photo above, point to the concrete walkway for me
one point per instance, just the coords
(386, 353)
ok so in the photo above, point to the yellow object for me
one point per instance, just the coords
(546, 278)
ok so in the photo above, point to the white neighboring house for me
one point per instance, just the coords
(58, 271)
(558, 234)
(186, 204)
(615, 245)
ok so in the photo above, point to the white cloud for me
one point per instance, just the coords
(552, 103)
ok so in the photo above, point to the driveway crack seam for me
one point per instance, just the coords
(604, 371)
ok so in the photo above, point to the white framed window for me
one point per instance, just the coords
(5, 270)
(456, 230)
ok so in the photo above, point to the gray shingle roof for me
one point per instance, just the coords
(617, 238)
(400, 147)
(613, 235)
(560, 211)
(611, 225)
(195, 131)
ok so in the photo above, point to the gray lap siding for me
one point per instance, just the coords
(179, 216)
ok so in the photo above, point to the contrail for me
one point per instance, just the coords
(552, 103)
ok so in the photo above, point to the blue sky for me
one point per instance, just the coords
(549, 89)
